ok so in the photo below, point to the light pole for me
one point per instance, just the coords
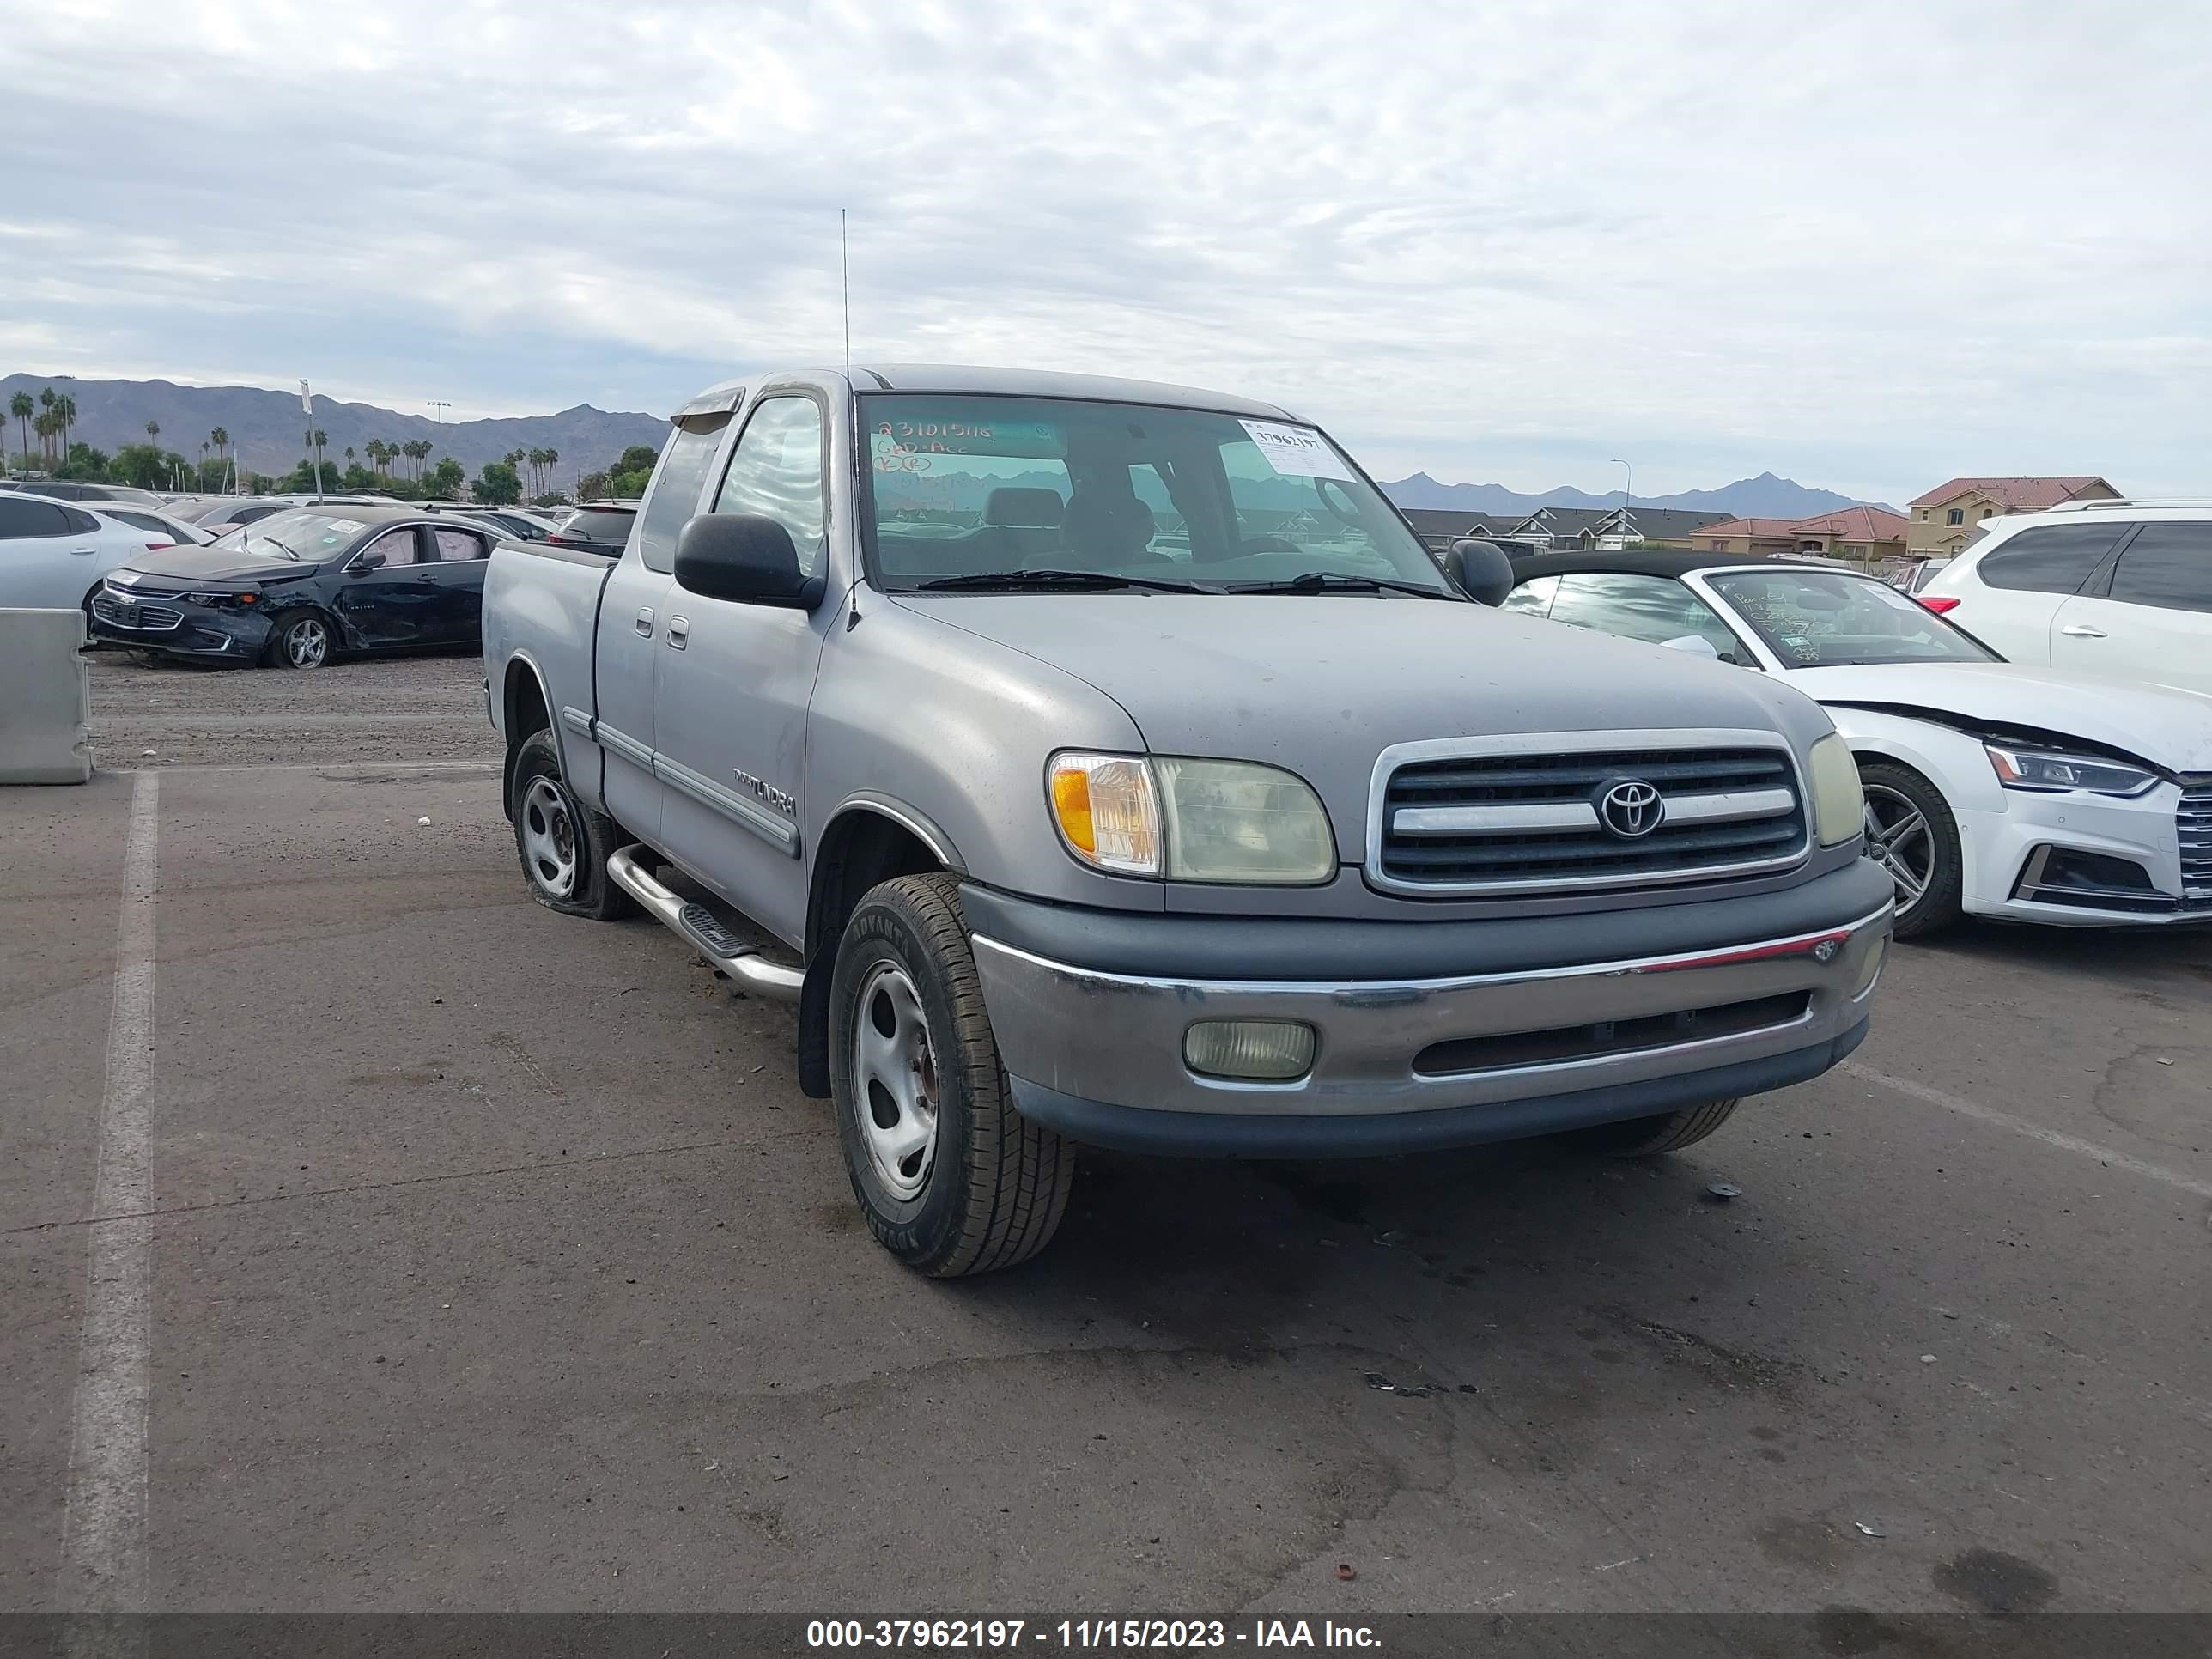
(1627, 488)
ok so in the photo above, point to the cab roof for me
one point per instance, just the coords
(972, 380)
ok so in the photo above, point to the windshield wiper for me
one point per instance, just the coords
(1073, 581)
(1330, 581)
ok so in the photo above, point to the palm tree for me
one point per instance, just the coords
(65, 406)
(53, 421)
(221, 440)
(348, 455)
(22, 408)
(552, 456)
(153, 431)
(45, 426)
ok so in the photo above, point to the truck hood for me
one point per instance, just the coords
(1320, 685)
(2162, 723)
(176, 569)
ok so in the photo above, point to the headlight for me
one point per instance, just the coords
(1191, 820)
(1839, 805)
(224, 600)
(2043, 771)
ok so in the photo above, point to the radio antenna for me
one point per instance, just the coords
(845, 271)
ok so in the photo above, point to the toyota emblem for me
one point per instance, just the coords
(1630, 809)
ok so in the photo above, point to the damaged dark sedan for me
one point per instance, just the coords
(302, 588)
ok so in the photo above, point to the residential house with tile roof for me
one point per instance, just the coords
(1556, 529)
(1864, 535)
(1945, 518)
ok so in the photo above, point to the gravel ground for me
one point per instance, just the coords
(149, 713)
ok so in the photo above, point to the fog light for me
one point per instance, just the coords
(1871, 971)
(1250, 1050)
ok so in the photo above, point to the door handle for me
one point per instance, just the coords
(679, 630)
(84, 550)
(2083, 631)
(644, 623)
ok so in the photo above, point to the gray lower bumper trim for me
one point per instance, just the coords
(1228, 1134)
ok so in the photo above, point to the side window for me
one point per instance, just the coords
(675, 487)
(1653, 608)
(398, 547)
(21, 517)
(776, 472)
(2168, 565)
(453, 545)
(1533, 598)
(2050, 558)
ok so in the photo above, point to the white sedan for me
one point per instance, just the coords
(1993, 788)
(53, 553)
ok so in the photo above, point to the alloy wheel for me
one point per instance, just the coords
(1899, 840)
(306, 643)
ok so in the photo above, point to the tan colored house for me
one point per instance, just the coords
(1864, 535)
(1945, 518)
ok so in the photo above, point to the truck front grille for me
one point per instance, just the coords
(1514, 816)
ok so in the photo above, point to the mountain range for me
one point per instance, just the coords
(265, 426)
(1764, 497)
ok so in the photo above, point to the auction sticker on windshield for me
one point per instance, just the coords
(1296, 451)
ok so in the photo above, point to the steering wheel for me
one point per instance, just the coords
(1348, 513)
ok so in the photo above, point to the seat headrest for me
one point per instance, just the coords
(1106, 526)
(1023, 505)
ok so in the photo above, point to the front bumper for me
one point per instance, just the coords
(168, 622)
(1404, 1063)
(2031, 866)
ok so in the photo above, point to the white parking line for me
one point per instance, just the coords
(2064, 1143)
(103, 1567)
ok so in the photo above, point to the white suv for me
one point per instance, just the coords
(2119, 588)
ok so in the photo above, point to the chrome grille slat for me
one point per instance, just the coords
(2193, 824)
(121, 610)
(1517, 815)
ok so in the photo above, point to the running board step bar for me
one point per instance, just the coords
(700, 928)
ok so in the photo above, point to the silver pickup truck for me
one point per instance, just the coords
(1099, 762)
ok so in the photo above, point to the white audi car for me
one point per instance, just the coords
(1994, 789)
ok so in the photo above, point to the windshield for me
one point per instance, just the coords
(970, 486)
(309, 536)
(1811, 619)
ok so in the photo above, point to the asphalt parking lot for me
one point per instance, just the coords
(481, 1258)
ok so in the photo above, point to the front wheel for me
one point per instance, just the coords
(951, 1178)
(302, 640)
(1910, 833)
(1666, 1132)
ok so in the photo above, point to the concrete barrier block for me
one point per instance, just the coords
(45, 697)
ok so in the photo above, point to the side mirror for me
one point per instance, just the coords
(365, 563)
(743, 556)
(1480, 570)
(1697, 645)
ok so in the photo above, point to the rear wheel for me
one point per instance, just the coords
(301, 639)
(562, 843)
(1666, 1132)
(951, 1178)
(1910, 833)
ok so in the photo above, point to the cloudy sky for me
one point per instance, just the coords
(1866, 245)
